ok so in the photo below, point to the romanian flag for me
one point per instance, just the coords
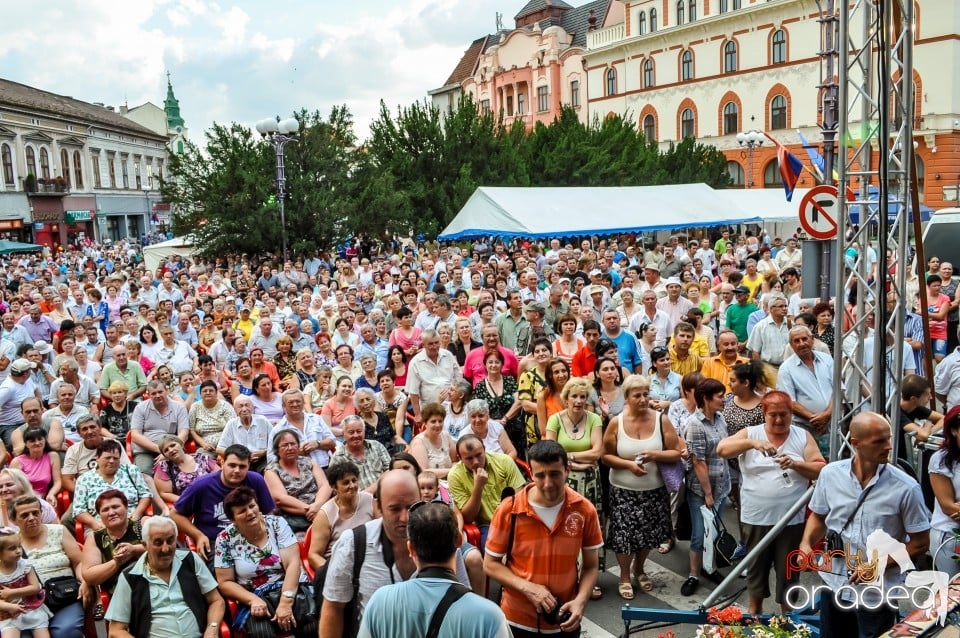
(790, 168)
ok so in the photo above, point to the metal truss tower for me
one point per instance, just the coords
(874, 134)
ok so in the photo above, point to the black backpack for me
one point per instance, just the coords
(351, 611)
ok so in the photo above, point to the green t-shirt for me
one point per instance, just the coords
(572, 446)
(502, 471)
(737, 316)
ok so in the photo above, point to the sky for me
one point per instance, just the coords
(246, 60)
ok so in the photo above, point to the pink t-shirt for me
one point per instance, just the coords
(38, 471)
(397, 338)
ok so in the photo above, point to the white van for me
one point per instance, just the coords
(941, 237)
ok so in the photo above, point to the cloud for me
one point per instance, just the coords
(244, 60)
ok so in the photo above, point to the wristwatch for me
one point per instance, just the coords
(289, 594)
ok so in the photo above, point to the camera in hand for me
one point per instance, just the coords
(834, 541)
(555, 616)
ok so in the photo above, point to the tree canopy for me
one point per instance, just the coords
(414, 173)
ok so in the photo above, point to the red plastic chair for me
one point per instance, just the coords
(524, 468)
(473, 534)
(64, 499)
(129, 445)
(305, 552)
(190, 447)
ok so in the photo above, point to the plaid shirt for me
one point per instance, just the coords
(702, 436)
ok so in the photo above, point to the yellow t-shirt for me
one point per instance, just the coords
(501, 472)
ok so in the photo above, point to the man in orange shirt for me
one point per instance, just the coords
(541, 531)
(720, 366)
(586, 357)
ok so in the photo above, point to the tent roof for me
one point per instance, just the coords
(561, 211)
(768, 203)
(7, 247)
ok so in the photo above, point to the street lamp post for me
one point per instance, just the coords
(750, 140)
(280, 133)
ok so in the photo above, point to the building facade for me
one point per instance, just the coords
(530, 72)
(60, 156)
(710, 69)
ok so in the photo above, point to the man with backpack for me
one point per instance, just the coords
(350, 577)
(411, 608)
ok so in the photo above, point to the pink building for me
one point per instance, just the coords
(529, 72)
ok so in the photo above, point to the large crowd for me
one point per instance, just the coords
(279, 447)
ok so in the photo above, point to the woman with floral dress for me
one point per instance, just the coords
(500, 393)
(257, 558)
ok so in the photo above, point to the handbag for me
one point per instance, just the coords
(61, 592)
(304, 611)
(673, 474)
(725, 545)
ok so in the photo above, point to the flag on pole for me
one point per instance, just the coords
(790, 168)
(816, 159)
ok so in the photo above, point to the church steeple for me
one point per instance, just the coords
(171, 106)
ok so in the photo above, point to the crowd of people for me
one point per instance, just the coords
(472, 414)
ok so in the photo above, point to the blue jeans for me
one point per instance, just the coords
(694, 501)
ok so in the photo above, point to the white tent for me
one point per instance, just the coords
(547, 212)
(153, 253)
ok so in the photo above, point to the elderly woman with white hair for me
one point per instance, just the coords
(491, 432)
(376, 421)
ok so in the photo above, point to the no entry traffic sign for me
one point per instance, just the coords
(820, 212)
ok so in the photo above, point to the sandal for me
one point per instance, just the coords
(626, 591)
(666, 547)
(597, 593)
(645, 583)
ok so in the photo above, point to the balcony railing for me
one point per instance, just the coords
(42, 186)
(604, 37)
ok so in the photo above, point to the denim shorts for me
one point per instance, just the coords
(940, 347)
(694, 501)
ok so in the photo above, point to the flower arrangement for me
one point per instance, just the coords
(730, 622)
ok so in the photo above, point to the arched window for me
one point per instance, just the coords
(692, 11)
(735, 171)
(44, 164)
(680, 6)
(653, 20)
(778, 47)
(6, 157)
(731, 119)
(730, 57)
(686, 124)
(778, 113)
(31, 161)
(77, 170)
(648, 78)
(686, 65)
(771, 175)
(611, 82)
(65, 163)
(649, 128)
(642, 22)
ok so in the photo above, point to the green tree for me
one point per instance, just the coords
(438, 160)
(225, 196)
(220, 195)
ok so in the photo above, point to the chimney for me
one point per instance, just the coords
(110, 108)
(592, 21)
(123, 109)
